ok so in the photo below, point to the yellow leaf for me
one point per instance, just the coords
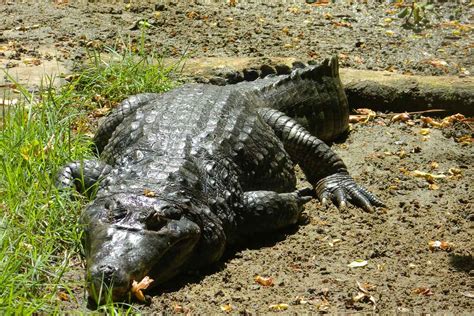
(279, 307)
(227, 308)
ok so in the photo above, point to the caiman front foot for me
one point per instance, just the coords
(340, 188)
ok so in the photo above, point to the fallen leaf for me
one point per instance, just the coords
(180, 309)
(434, 165)
(334, 241)
(430, 121)
(99, 112)
(440, 245)
(364, 115)
(454, 171)
(468, 294)
(428, 176)
(137, 288)
(452, 118)
(227, 308)
(366, 287)
(265, 281)
(278, 307)
(425, 131)
(63, 296)
(402, 117)
(358, 263)
(300, 300)
(324, 305)
(438, 63)
(32, 61)
(422, 291)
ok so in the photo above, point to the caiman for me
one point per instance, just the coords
(184, 174)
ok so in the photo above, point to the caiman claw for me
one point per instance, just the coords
(341, 188)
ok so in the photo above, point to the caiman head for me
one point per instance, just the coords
(128, 237)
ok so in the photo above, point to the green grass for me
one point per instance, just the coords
(39, 234)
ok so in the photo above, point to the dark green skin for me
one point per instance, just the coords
(184, 174)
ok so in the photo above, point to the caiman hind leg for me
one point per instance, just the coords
(82, 175)
(322, 166)
(268, 210)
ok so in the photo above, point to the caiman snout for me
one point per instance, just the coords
(104, 278)
(134, 237)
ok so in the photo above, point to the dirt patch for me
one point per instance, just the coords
(366, 36)
(308, 263)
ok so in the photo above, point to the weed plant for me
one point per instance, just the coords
(39, 233)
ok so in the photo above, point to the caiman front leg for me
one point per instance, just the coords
(82, 175)
(128, 106)
(268, 210)
(322, 166)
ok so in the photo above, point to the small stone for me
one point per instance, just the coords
(159, 7)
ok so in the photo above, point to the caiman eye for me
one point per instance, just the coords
(155, 222)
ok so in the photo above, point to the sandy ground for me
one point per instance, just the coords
(309, 263)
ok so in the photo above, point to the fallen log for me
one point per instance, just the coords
(386, 91)
(378, 90)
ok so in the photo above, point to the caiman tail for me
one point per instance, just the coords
(313, 96)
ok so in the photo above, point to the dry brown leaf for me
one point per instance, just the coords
(438, 63)
(434, 165)
(99, 112)
(364, 115)
(455, 171)
(447, 121)
(265, 281)
(63, 296)
(430, 121)
(366, 287)
(431, 178)
(137, 288)
(324, 305)
(465, 140)
(422, 291)
(401, 117)
(180, 309)
(440, 245)
(32, 61)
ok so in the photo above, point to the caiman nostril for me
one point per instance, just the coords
(107, 272)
